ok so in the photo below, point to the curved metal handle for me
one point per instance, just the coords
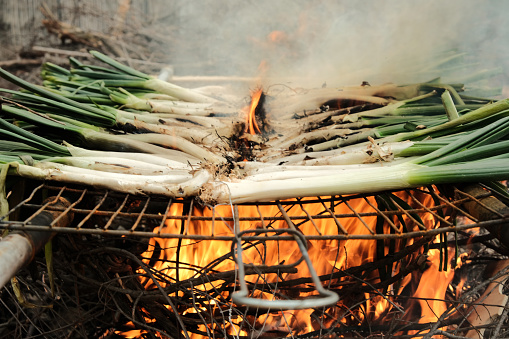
(325, 297)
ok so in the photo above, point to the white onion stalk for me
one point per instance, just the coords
(477, 156)
(156, 159)
(125, 183)
(132, 177)
(119, 165)
(169, 119)
(284, 109)
(155, 84)
(343, 182)
(304, 138)
(155, 96)
(162, 106)
(366, 180)
(386, 110)
(186, 108)
(184, 94)
(206, 136)
(123, 143)
(177, 143)
(177, 107)
(290, 172)
(354, 154)
(190, 108)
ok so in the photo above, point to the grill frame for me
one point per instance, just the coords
(83, 193)
(453, 203)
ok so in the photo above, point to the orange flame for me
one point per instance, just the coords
(328, 256)
(251, 125)
(432, 294)
(131, 333)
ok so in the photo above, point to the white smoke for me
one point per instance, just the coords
(343, 42)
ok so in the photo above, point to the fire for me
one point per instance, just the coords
(134, 333)
(251, 124)
(181, 260)
(432, 295)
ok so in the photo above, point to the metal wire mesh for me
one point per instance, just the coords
(112, 213)
(135, 263)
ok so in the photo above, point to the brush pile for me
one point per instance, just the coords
(117, 128)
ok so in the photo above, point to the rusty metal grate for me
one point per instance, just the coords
(121, 238)
(111, 213)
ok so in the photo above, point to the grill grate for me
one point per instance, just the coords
(121, 238)
(111, 213)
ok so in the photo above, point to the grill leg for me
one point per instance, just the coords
(19, 248)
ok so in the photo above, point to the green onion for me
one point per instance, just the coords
(450, 109)
(104, 140)
(148, 82)
(142, 135)
(50, 95)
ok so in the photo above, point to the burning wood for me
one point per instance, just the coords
(364, 249)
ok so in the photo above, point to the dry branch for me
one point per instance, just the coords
(21, 62)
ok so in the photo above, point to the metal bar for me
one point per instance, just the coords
(310, 218)
(332, 215)
(213, 227)
(435, 215)
(93, 211)
(261, 217)
(386, 218)
(163, 222)
(265, 238)
(409, 216)
(23, 202)
(188, 221)
(479, 210)
(110, 221)
(498, 214)
(140, 215)
(495, 193)
(357, 215)
(271, 218)
(20, 226)
(67, 210)
(305, 215)
(44, 206)
(464, 213)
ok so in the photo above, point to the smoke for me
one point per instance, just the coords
(343, 42)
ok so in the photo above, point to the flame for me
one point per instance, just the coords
(432, 288)
(251, 124)
(131, 333)
(327, 255)
(432, 294)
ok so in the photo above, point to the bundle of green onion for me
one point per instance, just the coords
(117, 128)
